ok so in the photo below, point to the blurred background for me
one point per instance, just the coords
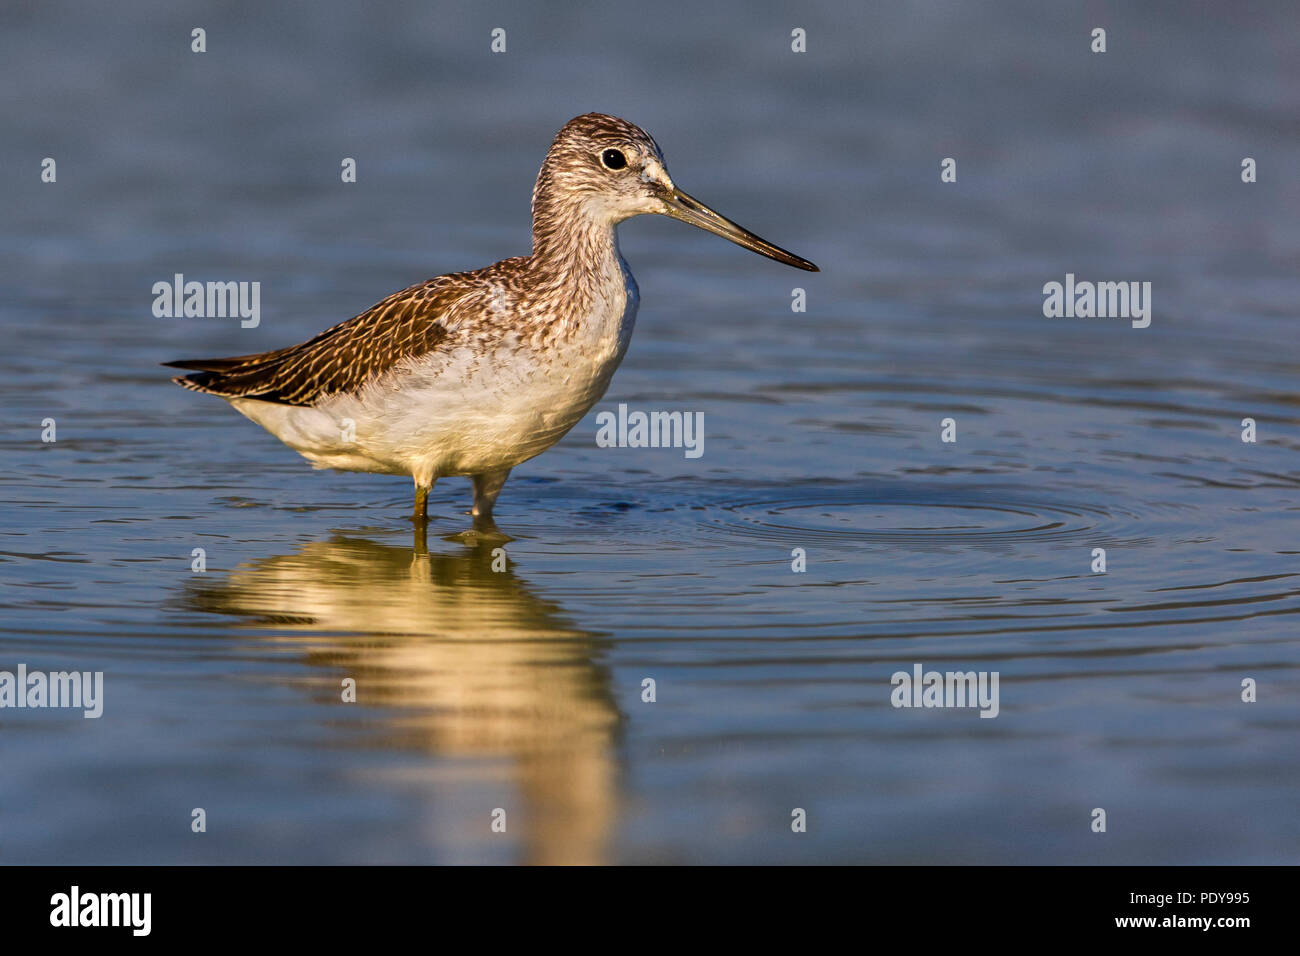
(522, 690)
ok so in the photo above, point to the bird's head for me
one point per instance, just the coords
(607, 170)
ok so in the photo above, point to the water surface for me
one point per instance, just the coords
(521, 688)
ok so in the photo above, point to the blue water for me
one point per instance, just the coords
(521, 689)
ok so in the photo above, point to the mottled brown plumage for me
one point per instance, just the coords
(340, 359)
(407, 325)
(474, 372)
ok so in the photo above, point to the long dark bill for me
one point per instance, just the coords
(678, 205)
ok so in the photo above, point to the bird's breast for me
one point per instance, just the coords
(612, 317)
(497, 400)
(578, 363)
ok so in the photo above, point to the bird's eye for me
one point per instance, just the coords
(613, 159)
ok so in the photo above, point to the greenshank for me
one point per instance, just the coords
(473, 373)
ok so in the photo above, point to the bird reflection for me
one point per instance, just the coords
(472, 663)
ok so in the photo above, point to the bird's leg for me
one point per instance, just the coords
(486, 488)
(421, 515)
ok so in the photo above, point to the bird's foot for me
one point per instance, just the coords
(484, 531)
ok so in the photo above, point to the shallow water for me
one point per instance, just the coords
(521, 689)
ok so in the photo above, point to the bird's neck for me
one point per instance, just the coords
(568, 230)
(574, 246)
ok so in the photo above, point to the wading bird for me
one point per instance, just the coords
(474, 372)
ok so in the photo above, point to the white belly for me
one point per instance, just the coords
(465, 411)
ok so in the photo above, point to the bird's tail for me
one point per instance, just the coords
(212, 376)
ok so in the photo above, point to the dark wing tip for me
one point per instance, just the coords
(204, 365)
(191, 382)
(342, 359)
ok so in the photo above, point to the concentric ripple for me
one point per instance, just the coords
(910, 515)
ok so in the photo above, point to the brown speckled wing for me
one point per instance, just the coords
(339, 360)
